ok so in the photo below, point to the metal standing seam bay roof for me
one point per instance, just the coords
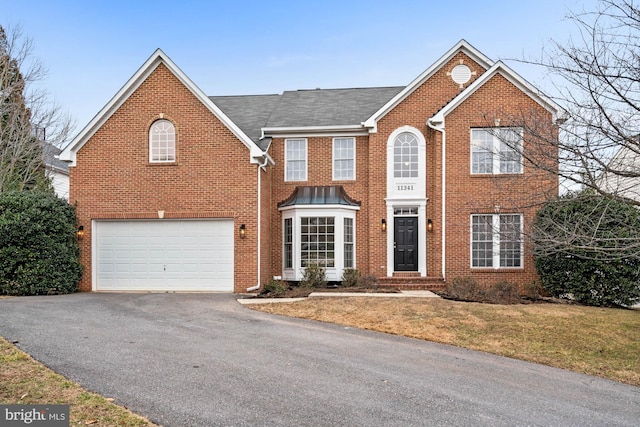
(303, 108)
(319, 195)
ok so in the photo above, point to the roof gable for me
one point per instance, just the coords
(158, 57)
(462, 46)
(511, 76)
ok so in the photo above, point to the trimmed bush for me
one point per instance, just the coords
(503, 293)
(314, 276)
(464, 288)
(38, 247)
(586, 249)
(533, 290)
(350, 277)
(467, 289)
(275, 287)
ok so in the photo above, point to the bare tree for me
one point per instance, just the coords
(27, 118)
(593, 146)
(597, 81)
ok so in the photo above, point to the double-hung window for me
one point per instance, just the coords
(496, 151)
(344, 158)
(162, 142)
(288, 243)
(348, 243)
(496, 241)
(295, 159)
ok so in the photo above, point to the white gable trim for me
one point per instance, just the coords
(158, 57)
(498, 68)
(461, 46)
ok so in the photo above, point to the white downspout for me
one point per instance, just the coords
(262, 166)
(439, 127)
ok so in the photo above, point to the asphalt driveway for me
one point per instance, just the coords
(204, 360)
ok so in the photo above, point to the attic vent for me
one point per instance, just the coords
(461, 74)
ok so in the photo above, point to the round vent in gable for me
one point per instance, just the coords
(461, 74)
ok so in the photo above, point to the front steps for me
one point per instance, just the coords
(412, 281)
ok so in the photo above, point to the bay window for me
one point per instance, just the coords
(318, 236)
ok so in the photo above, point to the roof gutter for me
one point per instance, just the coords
(285, 131)
(437, 123)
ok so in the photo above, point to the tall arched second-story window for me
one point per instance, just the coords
(405, 156)
(162, 142)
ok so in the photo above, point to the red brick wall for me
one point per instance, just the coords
(114, 179)
(478, 194)
(414, 111)
(466, 194)
(319, 172)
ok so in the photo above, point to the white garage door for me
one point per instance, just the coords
(164, 255)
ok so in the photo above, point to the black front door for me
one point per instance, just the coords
(405, 243)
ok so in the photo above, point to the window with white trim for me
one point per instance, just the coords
(295, 159)
(496, 151)
(348, 243)
(405, 156)
(326, 236)
(496, 241)
(288, 243)
(162, 142)
(317, 238)
(344, 158)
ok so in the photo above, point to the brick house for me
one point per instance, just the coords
(176, 190)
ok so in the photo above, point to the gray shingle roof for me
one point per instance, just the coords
(49, 152)
(329, 107)
(249, 112)
(303, 108)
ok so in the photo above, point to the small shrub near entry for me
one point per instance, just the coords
(275, 287)
(314, 276)
(350, 277)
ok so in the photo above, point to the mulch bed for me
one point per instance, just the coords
(298, 292)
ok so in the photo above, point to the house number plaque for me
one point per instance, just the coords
(405, 187)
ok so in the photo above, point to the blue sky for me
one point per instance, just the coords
(231, 47)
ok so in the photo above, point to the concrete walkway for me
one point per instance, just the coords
(401, 294)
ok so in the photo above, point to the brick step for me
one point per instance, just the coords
(412, 283)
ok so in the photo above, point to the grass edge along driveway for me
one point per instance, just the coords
(603, 342)
(23, 380)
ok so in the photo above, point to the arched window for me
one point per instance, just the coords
(405, 156)
(162, 142)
